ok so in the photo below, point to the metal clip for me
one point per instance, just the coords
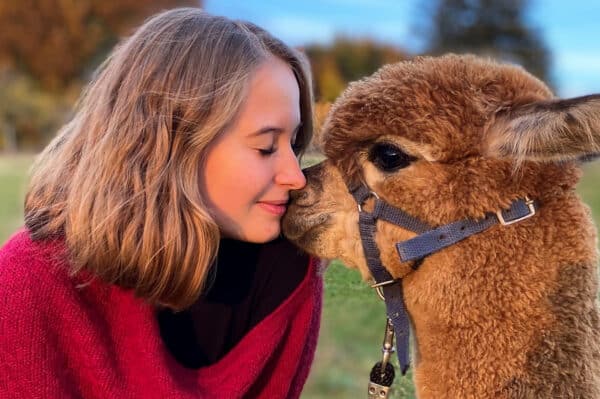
(382, 373)
(376, 391)
(388, 344)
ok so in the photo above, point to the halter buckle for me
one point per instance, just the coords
(531, 212)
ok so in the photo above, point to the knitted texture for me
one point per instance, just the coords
(77, 337)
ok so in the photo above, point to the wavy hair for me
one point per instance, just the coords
(120, 181)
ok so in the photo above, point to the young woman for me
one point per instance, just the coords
(150, 265)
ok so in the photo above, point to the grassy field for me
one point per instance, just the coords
(353, 317)
(13, 177)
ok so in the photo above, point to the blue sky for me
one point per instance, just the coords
(571, 29)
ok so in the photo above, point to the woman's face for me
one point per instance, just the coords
(251, 168)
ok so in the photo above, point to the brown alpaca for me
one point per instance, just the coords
(510, 312)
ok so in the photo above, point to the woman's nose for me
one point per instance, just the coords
(290, 173)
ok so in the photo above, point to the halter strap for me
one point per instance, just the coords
(449, 234)
(391, 292)
(428, 241)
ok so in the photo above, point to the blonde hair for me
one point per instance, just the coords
(120, 181)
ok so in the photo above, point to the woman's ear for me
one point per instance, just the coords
(554, 130)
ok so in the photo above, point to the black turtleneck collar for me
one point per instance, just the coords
(246, 283)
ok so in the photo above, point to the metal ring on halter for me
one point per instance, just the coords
(379, 287)
(373, 194)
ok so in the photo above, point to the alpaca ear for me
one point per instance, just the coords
(554, 130)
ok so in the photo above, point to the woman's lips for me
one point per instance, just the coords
(274, 208)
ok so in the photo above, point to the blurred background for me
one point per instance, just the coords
(50, 48)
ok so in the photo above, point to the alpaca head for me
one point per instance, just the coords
(443, 139)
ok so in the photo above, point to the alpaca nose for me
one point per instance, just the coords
(313, 172)
(303, 196)
(298, 195)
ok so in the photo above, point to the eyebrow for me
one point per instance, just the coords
(275, 129)
(267, 129)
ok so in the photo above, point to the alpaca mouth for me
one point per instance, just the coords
(297, 226)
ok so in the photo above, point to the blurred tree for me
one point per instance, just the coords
(328, 80)
(320, 112)
(487, 27)
(55, 41)
(47, 49)
(27, 113)
(347, 60)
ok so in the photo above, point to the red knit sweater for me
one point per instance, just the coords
(67, 337)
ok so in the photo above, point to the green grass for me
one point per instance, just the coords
(589, 188)
(13, 178)
(353, 317)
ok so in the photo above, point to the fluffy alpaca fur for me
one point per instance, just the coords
(510, 312)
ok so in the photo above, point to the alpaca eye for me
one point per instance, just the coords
(388, 157)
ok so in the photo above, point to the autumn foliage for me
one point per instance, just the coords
(48, 50)
(57, 41)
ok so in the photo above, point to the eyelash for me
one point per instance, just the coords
(269, 151)
(266, 151)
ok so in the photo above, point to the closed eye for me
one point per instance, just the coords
(388, 157)
(266, 151)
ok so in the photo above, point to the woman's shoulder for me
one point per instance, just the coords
(30, 270)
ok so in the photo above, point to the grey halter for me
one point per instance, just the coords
(429, 240)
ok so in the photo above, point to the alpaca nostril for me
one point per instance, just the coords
(298, 195)
(314, 171)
